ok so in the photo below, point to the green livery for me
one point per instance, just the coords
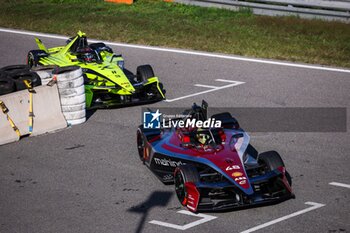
(107, 82)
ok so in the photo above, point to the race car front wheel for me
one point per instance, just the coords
(183, 174)
(143, 73)
(272, 160)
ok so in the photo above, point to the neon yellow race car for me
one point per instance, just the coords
(107, 82)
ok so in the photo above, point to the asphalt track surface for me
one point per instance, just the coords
(88, 178)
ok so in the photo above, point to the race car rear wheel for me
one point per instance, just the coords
(34, 56)
(183, 174)
(143, 73)
(140, 144)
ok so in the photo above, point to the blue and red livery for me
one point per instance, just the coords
(224, 173)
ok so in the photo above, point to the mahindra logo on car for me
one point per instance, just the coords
(167, 162)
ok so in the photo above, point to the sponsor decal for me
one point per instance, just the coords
(168, 177)
(242, 182)
(151, 120)
(233, 167)
(154, 120)
(192, 123)
(235, 174)
(240, 178)
(167, 162)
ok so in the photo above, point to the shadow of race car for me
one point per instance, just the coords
(213, 168)
(107, 82)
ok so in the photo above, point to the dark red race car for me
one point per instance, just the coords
(213, 168)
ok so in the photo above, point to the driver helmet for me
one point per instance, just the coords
(202, 137)
(86, 55)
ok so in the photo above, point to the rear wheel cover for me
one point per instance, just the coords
(180, 186)
(140, 145)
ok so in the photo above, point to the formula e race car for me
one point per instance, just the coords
(107, 82)
(214, 168)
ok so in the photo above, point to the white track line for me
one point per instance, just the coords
(225, 80)
(207, 86)
(233, 83)
(205, 218)
(313, 207)
(340, 184)
(229, 57)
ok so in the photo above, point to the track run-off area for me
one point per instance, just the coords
(88, 178)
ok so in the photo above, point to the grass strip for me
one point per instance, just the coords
(159, 23)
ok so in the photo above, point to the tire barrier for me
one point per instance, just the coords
(70, 82)
(7, 85)
(19, 78)
(73, 108)
(68, 92)
(74, 83)
(14, 69)
(44, 72)
(47, 114)
(45, 76)
(72, 100)
(12, 78)
(74, 115)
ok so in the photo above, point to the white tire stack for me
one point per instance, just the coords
(44, 72)
(70, 82)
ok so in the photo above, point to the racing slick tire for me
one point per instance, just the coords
(19, 78)
(7, 85)
(34, 56)
(143, 73)
(273, 160)
(13, 69)
(184, 173)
